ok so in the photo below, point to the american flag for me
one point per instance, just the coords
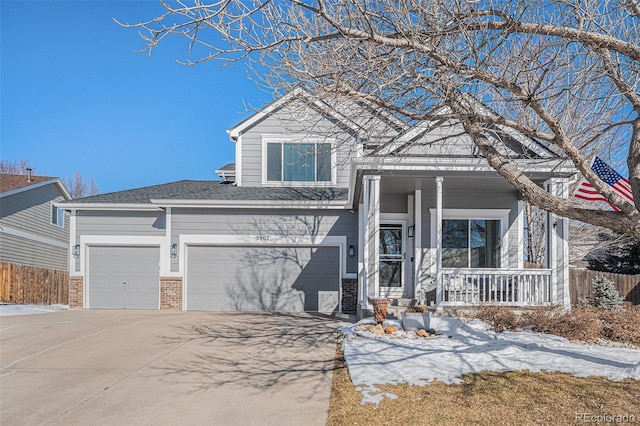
(620, 185)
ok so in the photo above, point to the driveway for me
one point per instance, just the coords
(152, 367)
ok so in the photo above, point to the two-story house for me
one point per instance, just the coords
(319, 214)
(33, 230)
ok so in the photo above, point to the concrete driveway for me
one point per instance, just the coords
(152, 367)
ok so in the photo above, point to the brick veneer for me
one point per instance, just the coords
(349, 295)
(171, 293)
(76, 291)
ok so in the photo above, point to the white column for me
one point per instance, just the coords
(520, 224)
(72, 242)
(439, 292)
(558, 246)
(167, 249)
(417, 232)
(362, 276)
(366, 241)
(374, 233)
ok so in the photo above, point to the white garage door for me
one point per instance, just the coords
(124, 277)
(283, 279)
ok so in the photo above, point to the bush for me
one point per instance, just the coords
(605, 294)
(579, 324)
(498, 317)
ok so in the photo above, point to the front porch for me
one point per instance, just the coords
(459, 248)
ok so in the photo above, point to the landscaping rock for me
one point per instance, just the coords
(377, 329)
(422, 333)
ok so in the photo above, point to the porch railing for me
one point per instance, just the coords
(497, 286)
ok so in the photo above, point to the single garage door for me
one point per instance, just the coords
(283, 279)
(124, 277)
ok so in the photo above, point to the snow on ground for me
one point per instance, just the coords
(8, 309)
(460, 348)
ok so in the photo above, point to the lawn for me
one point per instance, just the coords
(511, 398)
(492, 397)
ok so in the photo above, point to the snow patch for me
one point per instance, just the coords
(10, 309)
(460, 348)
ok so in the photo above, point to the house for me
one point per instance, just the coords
(319, 212)
(34, 231)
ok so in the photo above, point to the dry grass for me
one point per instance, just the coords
(512, 398)
(578, 324)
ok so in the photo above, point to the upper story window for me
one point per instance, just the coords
(298, 162)
(57, 216)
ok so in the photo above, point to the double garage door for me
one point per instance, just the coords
(219, 278)
(285, 279)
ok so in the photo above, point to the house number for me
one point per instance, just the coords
(262, 237)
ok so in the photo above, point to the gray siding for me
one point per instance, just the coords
(120, 223)
(283, 123)
(30, 212)
(23, 251)
(278, 222)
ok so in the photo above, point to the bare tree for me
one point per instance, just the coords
(78, 187)
(562, 72)
(15, 167)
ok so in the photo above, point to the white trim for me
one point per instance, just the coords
(361, 262)
(58, 211)
(302, 139)
(110, 206)
(121, 240)
(397, 219)
(239, 161)
(57, 181)
(87, 241)
(252, 204)
(72, 241)
(33, 237)
(463, 164)
(438, 238)
(417, 239)
(486, 214)
(166, 253)
(520, 225)
(297, 93)
(258, 240)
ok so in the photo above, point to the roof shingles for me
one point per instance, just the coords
(214, 190)
(9, 182)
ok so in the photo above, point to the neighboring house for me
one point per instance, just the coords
(33, 230)
(318, 216)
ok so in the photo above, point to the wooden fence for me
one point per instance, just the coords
(581, 287)
(31, 285)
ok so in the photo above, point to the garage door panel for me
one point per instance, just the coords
(285, 279)
(124, 277)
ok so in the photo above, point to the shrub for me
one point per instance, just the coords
(605, 294)
(578, 324)
(498, 317)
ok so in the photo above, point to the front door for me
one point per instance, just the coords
(391, 260)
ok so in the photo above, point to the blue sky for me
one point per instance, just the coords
(75, 97)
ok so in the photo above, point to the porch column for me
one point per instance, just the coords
(417, 239)
(362, 276)
(371, 238)
(558, 246)
(439, 292)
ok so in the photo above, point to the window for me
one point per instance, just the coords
(298, 162)
(57, 216)
(470, 243)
